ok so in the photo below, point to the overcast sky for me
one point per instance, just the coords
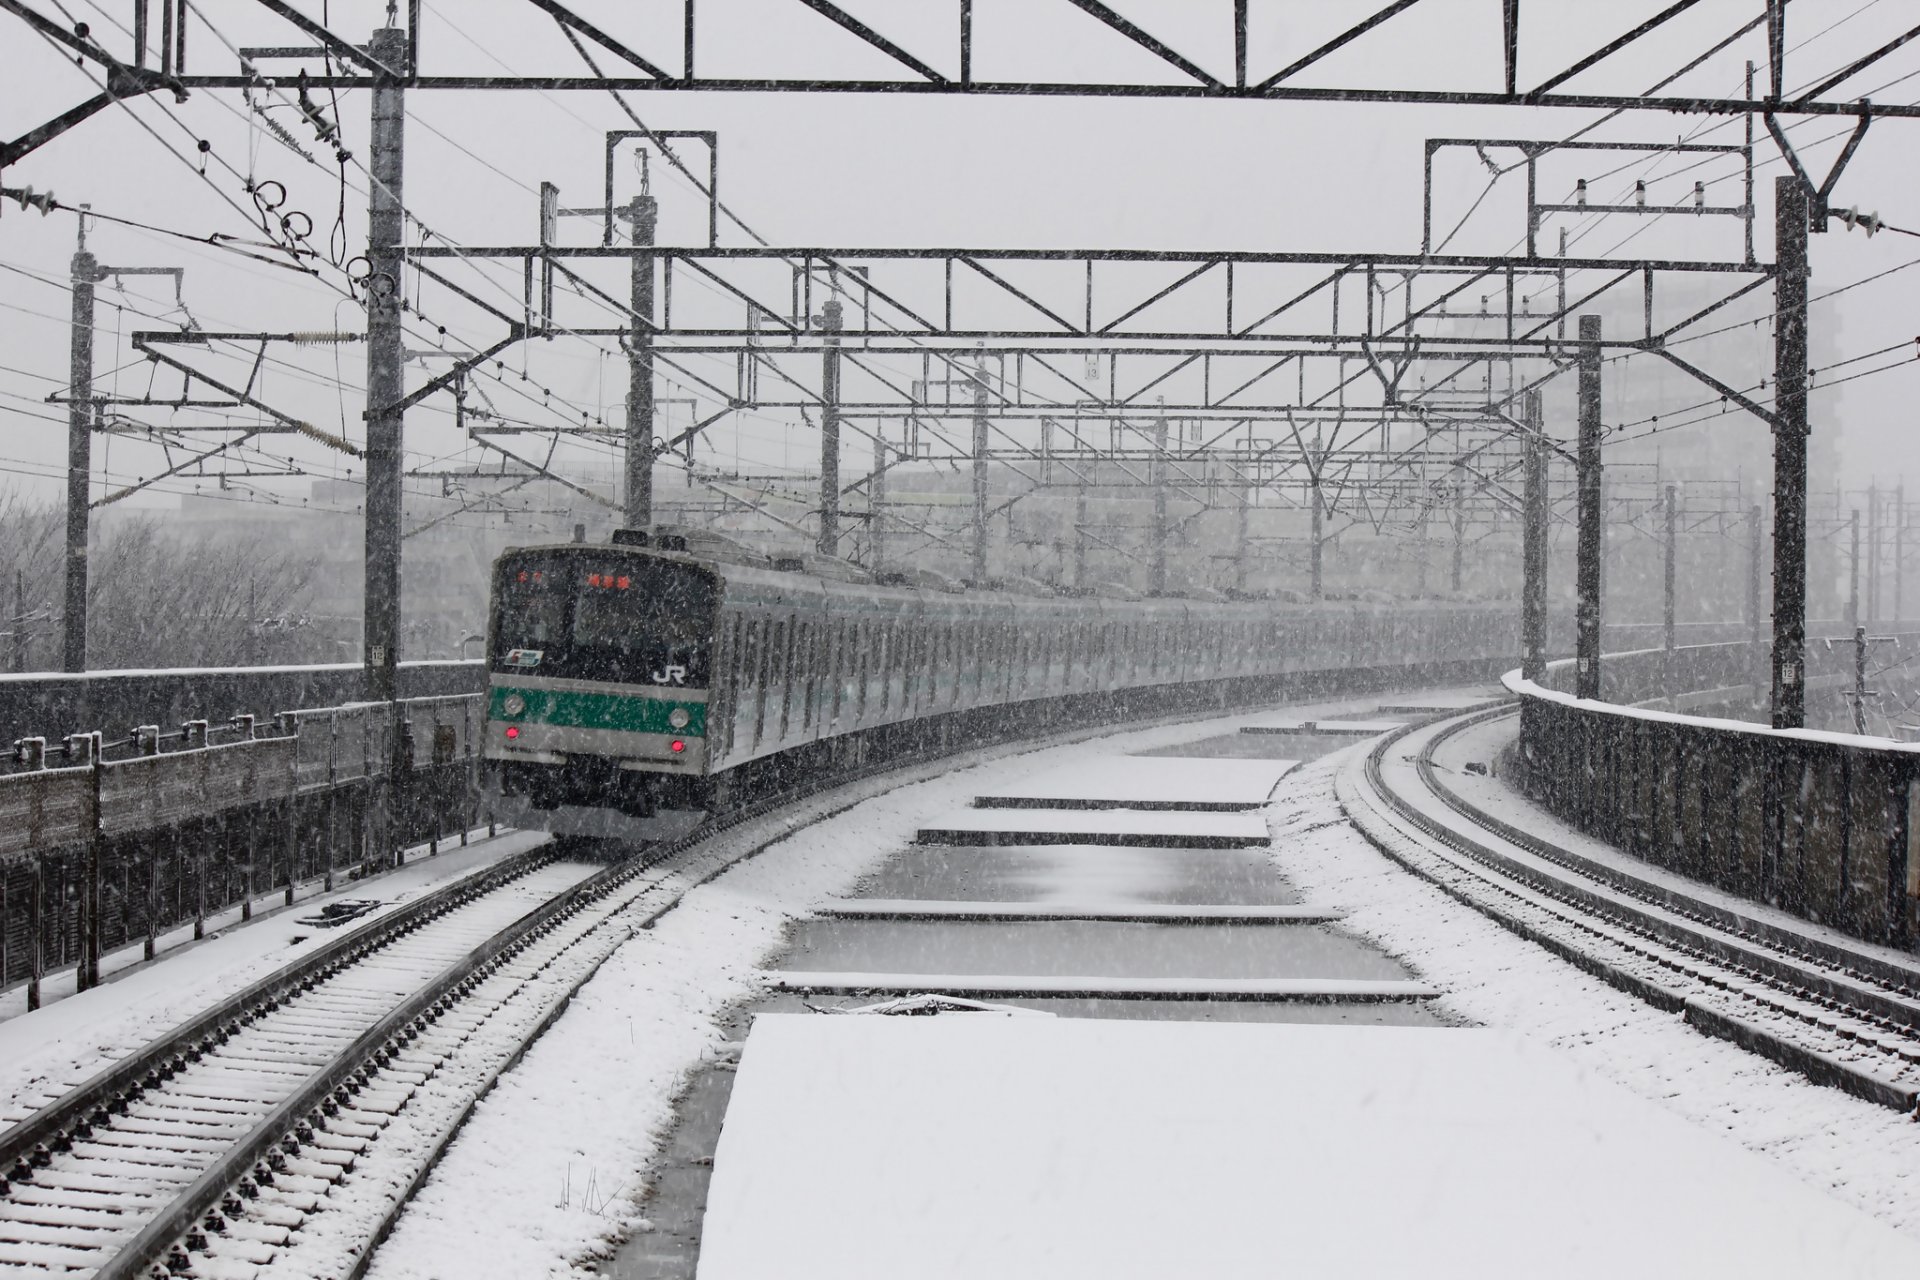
(854, 170)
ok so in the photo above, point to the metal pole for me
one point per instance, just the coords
(1899, 545)
(980, 468)
(1157, 564)
(386, 358)
(1672, 549)
(1754, 527)
(1853, 569)
(1241, 534)
(877, 501)
(1317, 562)
(1080, 535)
(644, 215)
(1789, 707)
(1587, 568)
(1533, 592)
(1459, 525)
(86, 273)
(830, 429)
(1873, 554)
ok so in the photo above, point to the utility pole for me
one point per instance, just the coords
(877, 503)
(86, 274)
(1157, 562)
(1241, 537)
(643, 214)
(830, 429)
(980, 467)
(1853, 570)
(386, 358)
(1789, 705)
(1873, 553)
(1080, 534)
(1754, 526)
(1316, 550)
(1672, 549)
(1533, 591)
(1899, 544)
(1587, 566)
(1459, 525)
(1859, 679)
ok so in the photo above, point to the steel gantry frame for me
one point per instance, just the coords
(392, 64)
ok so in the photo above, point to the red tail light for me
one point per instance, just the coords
(513, 731)
(678, 746)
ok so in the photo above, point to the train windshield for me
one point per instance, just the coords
(597, 616)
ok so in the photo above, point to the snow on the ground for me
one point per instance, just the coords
(1864, 1154)
(967, 1147)
(547, 1174)
(59, 1045)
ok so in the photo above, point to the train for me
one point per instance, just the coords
(640, 685)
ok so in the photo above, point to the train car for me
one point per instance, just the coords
(639, 685)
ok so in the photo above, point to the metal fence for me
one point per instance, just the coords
(1824, 825)
(106, 844)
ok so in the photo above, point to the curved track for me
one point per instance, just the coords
(207, 1151)
(1842, 1015)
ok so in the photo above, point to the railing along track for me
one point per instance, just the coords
(1836, 1014)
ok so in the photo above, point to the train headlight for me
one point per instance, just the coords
(513, 704)
(678, 717)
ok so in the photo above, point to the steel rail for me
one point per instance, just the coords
(25, 1145)
(1766, 954)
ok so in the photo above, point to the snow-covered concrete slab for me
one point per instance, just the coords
(1145, 913)
(1330, 728)
(1140, 782)
(1053, 986)
(1052, 1147)
(1427, 704)
(1098, 826)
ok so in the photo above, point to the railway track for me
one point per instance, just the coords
(210, 1151)
(1841, 1015)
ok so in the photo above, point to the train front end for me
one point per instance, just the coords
(599, 670)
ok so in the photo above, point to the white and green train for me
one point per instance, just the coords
(656, 679)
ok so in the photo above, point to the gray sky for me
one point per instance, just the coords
(853, 170)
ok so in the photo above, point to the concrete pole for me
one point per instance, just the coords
(1789, 706)
(829, 544)
(1755, 546)
(980, 468)
(1533, 591)
(86, 273)
(386, 357)
(643, 215)
(1590, 548)
(1157, 563)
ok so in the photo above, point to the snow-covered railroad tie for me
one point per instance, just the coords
(108, 1163)
(1839, 1015)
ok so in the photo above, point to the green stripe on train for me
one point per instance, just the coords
(572, 710)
